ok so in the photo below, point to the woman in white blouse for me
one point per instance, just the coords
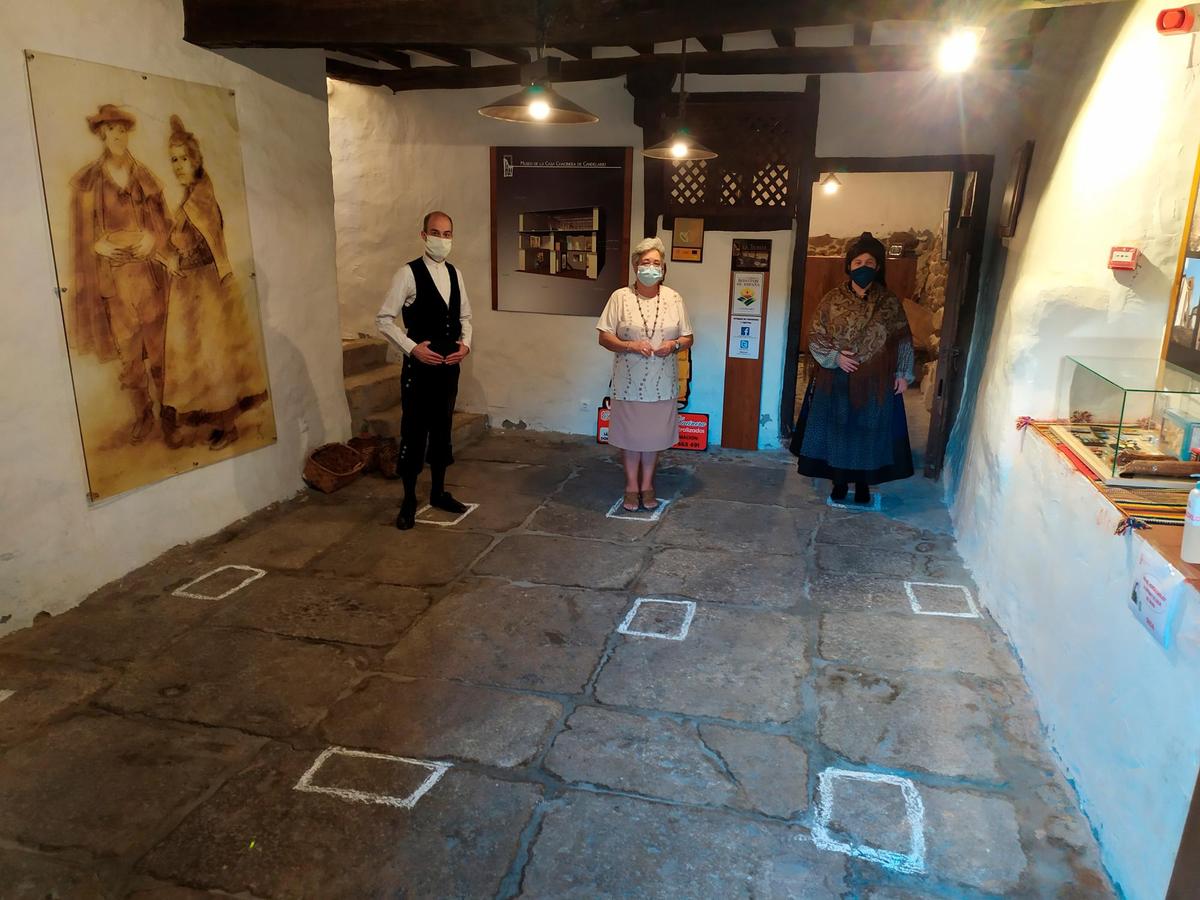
(644, 325)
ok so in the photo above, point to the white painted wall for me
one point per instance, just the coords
(54, 549)
(882, 203)
(1113, 165)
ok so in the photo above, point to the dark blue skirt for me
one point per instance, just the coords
(865, 443)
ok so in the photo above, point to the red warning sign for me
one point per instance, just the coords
(693, 429)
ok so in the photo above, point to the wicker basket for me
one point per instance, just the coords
(389, 458)
(332, 466)
(368, 446)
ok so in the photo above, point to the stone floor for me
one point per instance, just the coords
(485, 709)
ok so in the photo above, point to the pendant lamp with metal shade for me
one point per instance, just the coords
(538, 103)
(681, 146)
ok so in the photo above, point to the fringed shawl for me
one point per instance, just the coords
(871, 328)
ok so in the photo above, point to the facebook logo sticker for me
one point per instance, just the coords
(745, 330)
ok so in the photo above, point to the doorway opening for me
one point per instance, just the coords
(929, 212)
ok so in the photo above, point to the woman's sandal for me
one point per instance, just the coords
(649, 501)
(631, 502)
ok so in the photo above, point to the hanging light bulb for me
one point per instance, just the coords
(831, 184)
(958, 50)
(680, 146)
(539, 103)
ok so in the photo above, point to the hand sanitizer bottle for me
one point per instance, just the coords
(1190, 551)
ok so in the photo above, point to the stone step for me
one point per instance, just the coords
(372, 391)
(363, 354)
(468, 427)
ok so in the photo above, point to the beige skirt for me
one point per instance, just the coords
(643, 427)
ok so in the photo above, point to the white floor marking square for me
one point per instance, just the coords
(875, 505)
(436, 771)
(184, 592)
(912, 862)
(4, 695)
(689, 613)
(618, 511)
(471, 507)
(915, 603)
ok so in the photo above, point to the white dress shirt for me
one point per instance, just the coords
(390, 320)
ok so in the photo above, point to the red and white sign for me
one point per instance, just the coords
(693, 429)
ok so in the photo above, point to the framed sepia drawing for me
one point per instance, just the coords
(146, 204)
(560, 227)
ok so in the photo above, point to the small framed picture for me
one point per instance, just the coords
(1014, 191)
(687, 240)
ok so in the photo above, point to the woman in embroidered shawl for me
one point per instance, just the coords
(213, 367)
(852, 426)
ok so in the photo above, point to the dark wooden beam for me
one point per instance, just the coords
(644, 49)
(1014, 54)
(579, 51)
(784, 37)
(1039, 19)
(862, 34)
(327, 23)
(456, 56)
(378, 54)
(518, 55)
(713, 43)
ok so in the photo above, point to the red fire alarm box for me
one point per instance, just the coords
(1123, 258)
(1177, 20)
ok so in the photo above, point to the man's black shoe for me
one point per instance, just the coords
(445, 501)
(407, 517)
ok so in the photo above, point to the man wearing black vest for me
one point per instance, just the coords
(434, 334)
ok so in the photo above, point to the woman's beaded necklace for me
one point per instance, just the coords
(650, 332)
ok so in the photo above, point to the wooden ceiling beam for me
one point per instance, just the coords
(456, 56)
(579, 51)
(517, 55)
(784, 37)
(643, 49)
(374, 53)
(862, 33)
(1013, 54)
(326, 23)
(713, 43)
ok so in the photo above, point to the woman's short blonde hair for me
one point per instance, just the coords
(644, 246)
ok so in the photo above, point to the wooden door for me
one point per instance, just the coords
(948, 381)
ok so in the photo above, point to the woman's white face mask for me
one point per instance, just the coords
(437, 247)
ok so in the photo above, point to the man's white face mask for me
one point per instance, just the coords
(437, 247)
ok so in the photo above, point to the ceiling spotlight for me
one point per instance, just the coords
(831, 184)
(958, 50)
(680, 146)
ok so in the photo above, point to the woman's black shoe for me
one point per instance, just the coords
(839, 492)
(862, 493)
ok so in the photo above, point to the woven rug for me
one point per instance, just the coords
(1156, 506)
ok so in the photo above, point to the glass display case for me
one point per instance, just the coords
(1133, 422)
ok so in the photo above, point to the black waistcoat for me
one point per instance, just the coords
(428, 317)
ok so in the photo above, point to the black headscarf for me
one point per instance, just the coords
(868, 243)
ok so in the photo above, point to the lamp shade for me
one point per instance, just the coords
(680, 146)
(538, 104)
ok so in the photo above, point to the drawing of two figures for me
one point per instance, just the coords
(155, 290)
